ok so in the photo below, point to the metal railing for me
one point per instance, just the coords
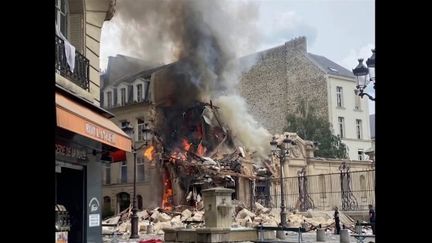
(80, 74)
(323, 192)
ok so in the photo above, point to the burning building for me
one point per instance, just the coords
(193, 149)
(199, 137)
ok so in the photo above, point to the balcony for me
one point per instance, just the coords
(80, 74)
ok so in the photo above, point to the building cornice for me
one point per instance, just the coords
(341, 77)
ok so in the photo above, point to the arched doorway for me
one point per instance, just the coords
(106, 208)
(123, 201)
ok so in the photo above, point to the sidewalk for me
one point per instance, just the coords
(309, 237)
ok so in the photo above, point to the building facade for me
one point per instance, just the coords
(286, 74)
(130, 98)
(126, 93)
(85, 136)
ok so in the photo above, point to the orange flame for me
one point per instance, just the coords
(148, 153)
(200, 150)
(186, 144)
(168, 193)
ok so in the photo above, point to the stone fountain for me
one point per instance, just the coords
(218, 211)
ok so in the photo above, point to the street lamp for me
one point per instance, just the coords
(365, 75)
(282, 152)
(129, 130)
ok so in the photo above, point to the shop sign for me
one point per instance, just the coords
(71, 152)
(100, 133)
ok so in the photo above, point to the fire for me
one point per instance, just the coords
(186, 144)
(148, 153)
(167, 199)
(177, 156)
(200, 150)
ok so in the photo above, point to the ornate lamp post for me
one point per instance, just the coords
(365, 75)
(282, 152)
(129, 130)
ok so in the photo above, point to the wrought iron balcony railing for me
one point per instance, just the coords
(80, 74)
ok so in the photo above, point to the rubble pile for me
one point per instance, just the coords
(271, 217)
(154, 221)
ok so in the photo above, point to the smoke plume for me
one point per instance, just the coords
(206, 38)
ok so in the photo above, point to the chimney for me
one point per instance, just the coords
(298, 43)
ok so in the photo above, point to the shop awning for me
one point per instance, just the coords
(79, 119)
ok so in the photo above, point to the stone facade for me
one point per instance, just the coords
(152, 183)
(281, 76)
(286, 74)
(84, 31)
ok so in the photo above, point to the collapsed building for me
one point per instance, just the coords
(191, 150)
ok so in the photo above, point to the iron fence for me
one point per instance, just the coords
(347, 190)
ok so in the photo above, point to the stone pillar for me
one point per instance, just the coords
(344, 236)
(218, 208)
(320, 235)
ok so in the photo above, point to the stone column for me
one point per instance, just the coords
(344, 236)
(320, 235)
(218, 208)
(218, 212)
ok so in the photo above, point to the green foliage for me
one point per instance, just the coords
(309, 126)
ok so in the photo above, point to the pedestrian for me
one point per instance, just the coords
(372, 218)
(337, 221)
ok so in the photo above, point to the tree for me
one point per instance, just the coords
(309, 126)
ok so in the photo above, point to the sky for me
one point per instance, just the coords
(341, 30)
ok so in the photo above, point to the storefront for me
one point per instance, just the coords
(85, 139)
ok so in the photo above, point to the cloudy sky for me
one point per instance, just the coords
(341, 30)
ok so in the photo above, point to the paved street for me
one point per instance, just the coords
(309, 237)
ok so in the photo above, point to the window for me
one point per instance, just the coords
(107, 174)
(124, 123)
(322, 186)
(115, 97)
(359, 128)
(262, 193)
(146, 89)
(139, 92)
(130, 94)
(140, 126)
(341, 127)
(109, 99)
(106, 207)
(140, 169)
(61, 14)
(360, 154)
(122, 96)
(357, 103)
(123, 201)
(123, 172)
(339, 96)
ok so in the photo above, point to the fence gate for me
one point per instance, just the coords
(305, 200)
(349, 202)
